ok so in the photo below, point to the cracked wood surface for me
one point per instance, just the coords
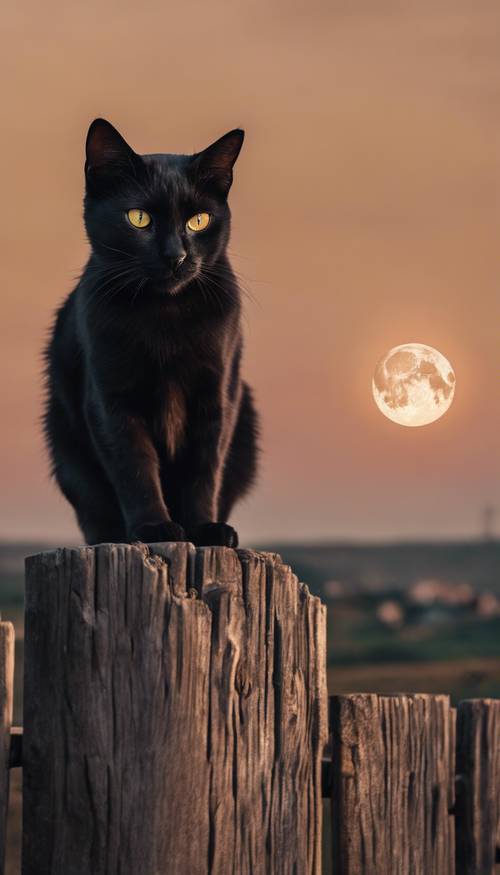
(175, 713)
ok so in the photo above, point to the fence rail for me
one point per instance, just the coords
(175, 721)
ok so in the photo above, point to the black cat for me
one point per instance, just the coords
(152, 432)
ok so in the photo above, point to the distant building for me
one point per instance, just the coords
(429, 592)
(334, 589)
(390, 613)
(487, 605)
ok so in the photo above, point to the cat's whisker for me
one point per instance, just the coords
(223, 272)
(100, 270)
(205, 289)
(139, 289)
(214, 278)
(232, 251)
(213, 290)
(99, 292)
(103, 272)
(231, 274)
(114, 249)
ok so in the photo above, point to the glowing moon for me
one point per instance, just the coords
(413, 384)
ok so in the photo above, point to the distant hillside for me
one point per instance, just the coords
(376, 567)
(12, 557)
(371, 567)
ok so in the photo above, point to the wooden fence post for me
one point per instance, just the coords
(6, 705)
(478, 786)
(175, 713)
(392, 785)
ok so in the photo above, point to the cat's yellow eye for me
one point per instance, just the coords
(139, 218)
(198, 222)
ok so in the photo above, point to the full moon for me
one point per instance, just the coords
(413, 384)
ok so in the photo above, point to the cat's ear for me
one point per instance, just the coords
(106, 150)
(214, 166)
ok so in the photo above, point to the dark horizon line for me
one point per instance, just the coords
(322, 543)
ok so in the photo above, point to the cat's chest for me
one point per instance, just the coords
(170, 417)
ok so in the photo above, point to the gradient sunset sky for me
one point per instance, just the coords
(365, 215)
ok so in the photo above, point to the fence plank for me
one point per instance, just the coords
(478, 780)
(175, 713)
(392, 768)
(6, 706)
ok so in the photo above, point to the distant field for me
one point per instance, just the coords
(394, 566)
(462, 679)
(369, 566)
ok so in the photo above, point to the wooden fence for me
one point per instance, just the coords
(176, 721)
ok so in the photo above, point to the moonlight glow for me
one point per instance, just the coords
(413, 384)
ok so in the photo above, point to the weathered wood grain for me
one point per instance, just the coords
(6, 705)
(175, 713)
(392, 785)
(478, 786)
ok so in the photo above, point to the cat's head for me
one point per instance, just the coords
(158, 221)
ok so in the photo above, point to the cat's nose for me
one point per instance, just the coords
(174, 261)
(174, 254)
(177, 260)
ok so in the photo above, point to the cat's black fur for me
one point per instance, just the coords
(151, 430)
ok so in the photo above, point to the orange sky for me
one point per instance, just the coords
(365, 213)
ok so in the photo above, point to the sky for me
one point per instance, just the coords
(365, 215)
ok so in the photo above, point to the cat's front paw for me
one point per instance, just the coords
(152, 533)
(214, 535)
